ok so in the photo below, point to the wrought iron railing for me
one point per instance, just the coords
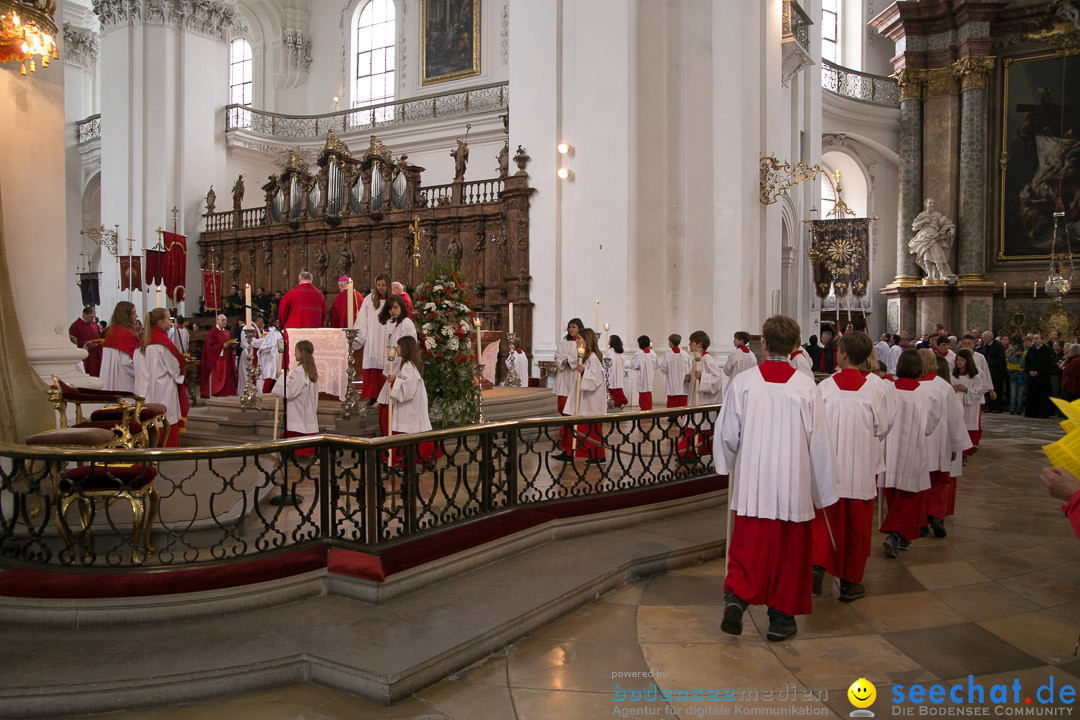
(82, 508)
(858, 85)
(88, 129)
(795, 24)
(480, 99)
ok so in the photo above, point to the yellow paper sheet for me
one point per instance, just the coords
(1071, 410)
(1065, 453)
(1068, 426)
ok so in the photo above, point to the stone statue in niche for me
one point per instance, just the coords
(238, 192)
(322, 260)
(932, 244)
(211, 199)
(503, 159)
(345, 260)
(454, 251)
(461, 159)
(234, 267)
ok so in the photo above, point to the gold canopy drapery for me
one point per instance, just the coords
(840, 256)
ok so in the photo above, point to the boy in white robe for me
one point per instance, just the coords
(773, 443)
(615, 371)
(706, 388)
(742, 359)
(676, 368)
(859, 412)
(644, 366)
(894, 355)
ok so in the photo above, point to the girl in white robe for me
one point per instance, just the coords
(301, 393)
(952, 440)
(409, 396)
(566, 359)
(118, 349)
(643, 364)
(372, 336)
(159, 373)
(593, 401)
(395, 316)
(615, 371)
(971, 387)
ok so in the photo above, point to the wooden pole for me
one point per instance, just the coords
(389, 406)
(577, 400)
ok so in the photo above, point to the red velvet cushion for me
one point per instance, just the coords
(107, 477)
(82, 437)
(134, 426)
(149, 412)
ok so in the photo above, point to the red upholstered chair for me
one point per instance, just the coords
(123, 418)
(88, 484)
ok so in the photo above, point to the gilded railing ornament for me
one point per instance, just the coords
(777, 178)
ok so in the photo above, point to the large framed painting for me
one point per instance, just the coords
(451, 47)
(1040, 155)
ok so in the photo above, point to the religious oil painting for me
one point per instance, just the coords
(451, 45)
(1040, 158)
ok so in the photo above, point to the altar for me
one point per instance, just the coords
(331, 357)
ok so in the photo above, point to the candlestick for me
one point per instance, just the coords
(476, 322)
(597, 323)
(1004, 291)
(247, 303)
(349, 289)
(157, 297)
(511, 319)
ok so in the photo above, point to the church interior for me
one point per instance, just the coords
(637, 169)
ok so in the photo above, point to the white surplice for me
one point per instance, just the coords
(800, 360)
(773, 443)
(644, 364)
(910, 447)
(675, 365)
(405, 328)
(739, 360)
(615, 372)
(303, 400)
(157, 378)
(950, 436)
(881, 352)
(410, 401)
(520, 362)
(894, 357)
(593, 390)
(858, 421)
(372, 335)
(566, 358)
(269, 355)
(973, 398)
(117, 370)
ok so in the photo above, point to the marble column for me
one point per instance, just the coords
(910, 171)
(971, 240)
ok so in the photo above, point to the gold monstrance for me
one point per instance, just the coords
(417, 233)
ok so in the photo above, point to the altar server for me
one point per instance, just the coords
(300, 389)
(644, 365)
(409, 394)
(950, 439)
(910, 452)
(159, 372)
(520, 362)
(615, 372)
(774, 445)
(676, 368)
(566, 359)
(742, 358)
(394, 315)
(970, 385)
(706, 388)
(894, 354)
(269, 356)
(593, 401)
(118, 349)
(859, 412)
(372, 337)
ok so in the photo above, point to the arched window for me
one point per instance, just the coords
(240, 83)
(828, 192)
(373, 57)
(830, 31)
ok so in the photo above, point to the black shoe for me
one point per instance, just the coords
(904, 544)
(594, 462)
(733, 612)
(781, 626)
(938, 526)
(850, 592)
(562, 457)
(924, 531)
(819, 578)
(891, 544)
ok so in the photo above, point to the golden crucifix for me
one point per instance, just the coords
(417, 233)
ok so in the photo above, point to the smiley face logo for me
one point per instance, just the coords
(862, 694)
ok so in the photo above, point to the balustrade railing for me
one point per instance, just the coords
(483, 98)
(861, 86)
(188, 507)
(481, 191)
(88, 129)
(795, 24)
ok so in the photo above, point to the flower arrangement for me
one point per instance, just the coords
(444, 319)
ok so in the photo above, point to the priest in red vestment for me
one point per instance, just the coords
(218, 362)
(86, 333)
(340, 310)
(399, 289)
(302, 307)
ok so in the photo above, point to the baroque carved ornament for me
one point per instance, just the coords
(211, 18)
(81, 47)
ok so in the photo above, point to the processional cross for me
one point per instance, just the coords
(417, 233)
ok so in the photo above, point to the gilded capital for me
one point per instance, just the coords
(910, 82)
(973, 71)
(940, 81)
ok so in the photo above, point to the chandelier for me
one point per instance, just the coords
(27, 31)
(1057, 285)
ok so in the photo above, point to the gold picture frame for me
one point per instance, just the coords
(450, 43)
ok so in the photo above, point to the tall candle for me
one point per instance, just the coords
(607, 337)
(1035, 290)
(351, 301)
(597, 323)
(1004, 291)
(181, 308)
(247, 303)
(511, 319)
(477, 323)
(157, 297)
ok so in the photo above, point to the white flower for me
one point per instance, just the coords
(426, 328)
(465, 326)
(437, 288)
(429, 306)
(448, 331)
(429, 343)
(453, 344)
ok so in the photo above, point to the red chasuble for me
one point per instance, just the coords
(88, 332)
(340, 309)
(302, 307)
(219, 364)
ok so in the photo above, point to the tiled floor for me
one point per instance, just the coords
(998, 599)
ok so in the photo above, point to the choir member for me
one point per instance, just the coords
(593, 401)
(520, 362)
(566, 359)
(676, 368)
(950, 439)
(859, 412)
(881, 348)
(300, 389)
(395, 316)
(706, 388)
(743, 359)
(615, 372)
(86, 334)
(644, 364)
(942, 348)
(773, 444)
(894, 354)
(159, 372)
(218, 362)
(971, 385)
(409, 395)
(802, 362)
(372, 336)
(118, 349)
(910, 452)
(339, 311)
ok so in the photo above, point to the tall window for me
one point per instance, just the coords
(374, 78)
(830, 35)
(828, 194)
(240, 72)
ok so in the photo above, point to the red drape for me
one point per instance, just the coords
(175, 263)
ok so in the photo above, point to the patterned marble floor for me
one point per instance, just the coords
(998, 599)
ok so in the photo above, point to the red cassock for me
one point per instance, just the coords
(302, 307)
(340, 309)
(88, 332)
(218, 364)
(769, 564)
(850, 527)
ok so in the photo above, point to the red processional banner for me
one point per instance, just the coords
(175, 263)
(155, 267)
(130, 272)
(211, 282)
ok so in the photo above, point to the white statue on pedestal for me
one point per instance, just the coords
(932, 244)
